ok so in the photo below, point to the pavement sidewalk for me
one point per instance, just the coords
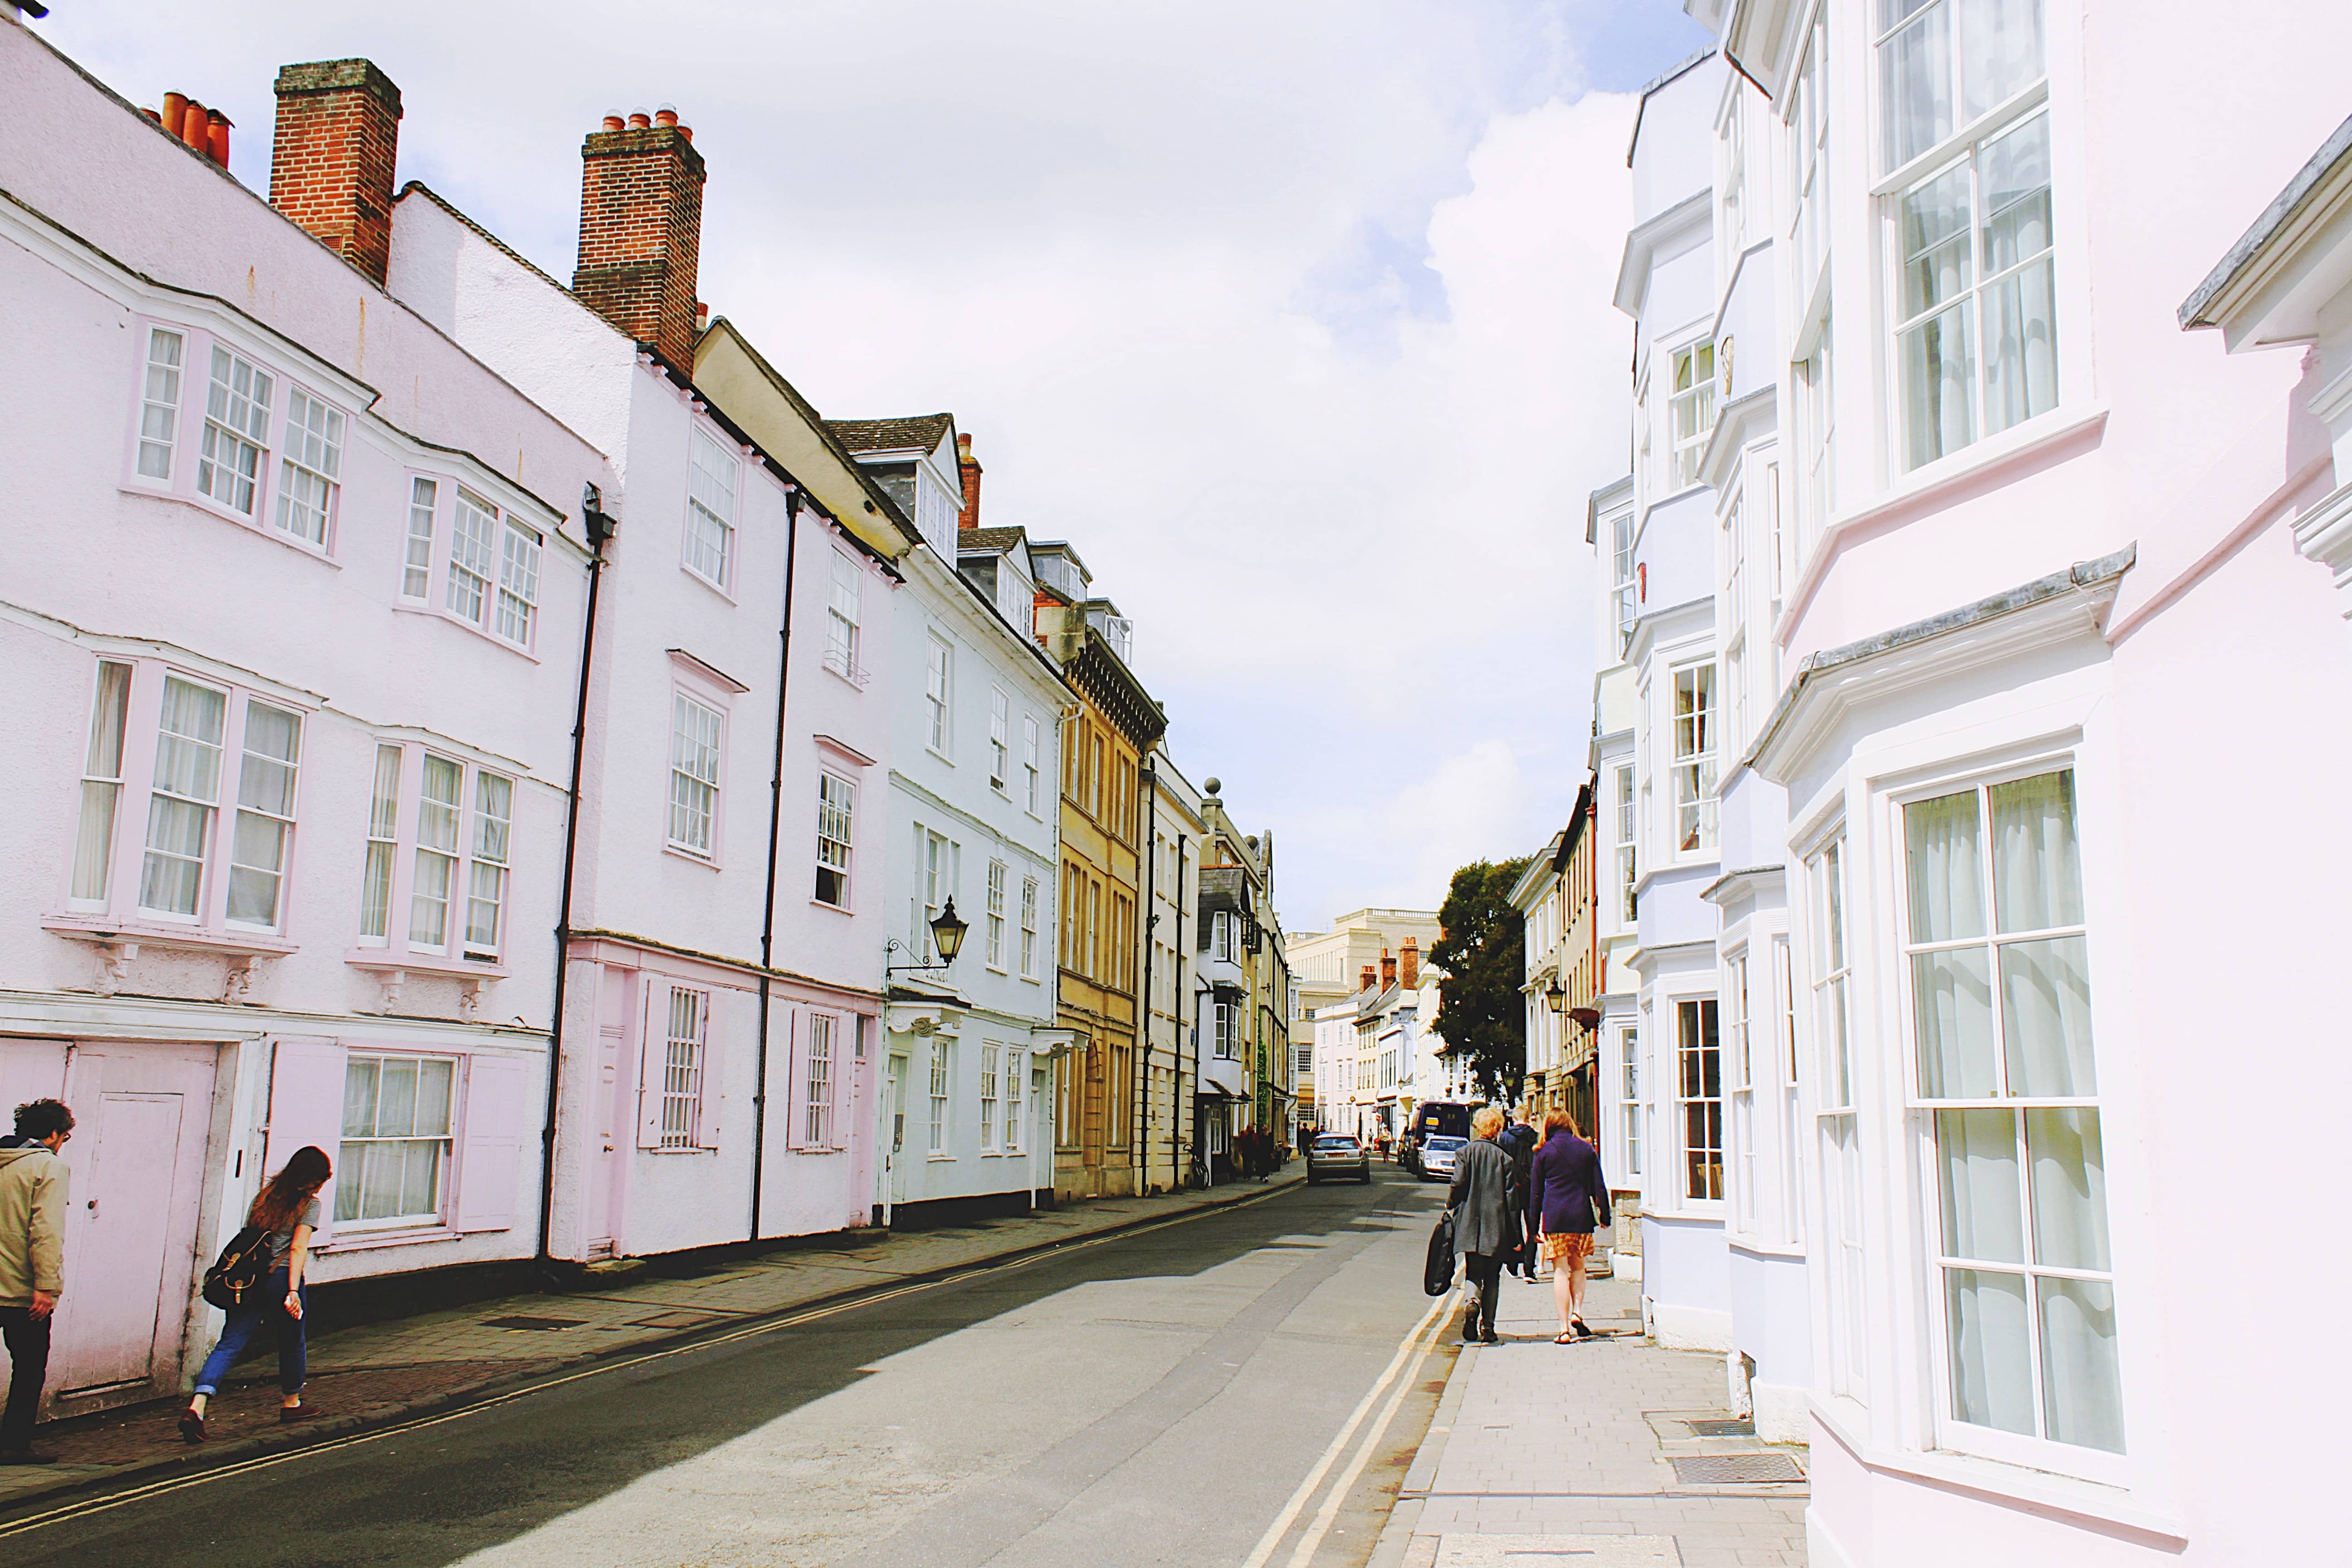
(1545, 1456)
(377, 1373)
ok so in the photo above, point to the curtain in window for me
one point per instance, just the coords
(264, 798)
(187, 786)
(2045, 984)
(2020, 331)
(2083, 1389)
(1952, 989)
(101, 782)
(1993, 1356)
(1916, 79)
(2001, 50)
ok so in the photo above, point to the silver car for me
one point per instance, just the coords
(1437, 1155)
(1337, 1154)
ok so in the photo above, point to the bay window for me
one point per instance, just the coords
(159, 406)
(712, 477)
(1627, 862)
(1975, 319)
(265, 815)
(394, 1159)
(2009, 1113)
(237, 431)
(493, 571)
(101, 783)
(1691, 410)
(460, 849)
(1629, 1059)
(1699, 1092)
(383, 846)
(185, 797)
(416, 559)
(1622, 593)
(310, 468)
(1743, 1089)
(1839, 1131)
(1693, 759)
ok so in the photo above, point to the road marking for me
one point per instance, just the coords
(1408, 1352)
(1364, 1452)
(266, 1462)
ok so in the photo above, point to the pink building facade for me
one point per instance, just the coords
(2044, 617)
(290, 615)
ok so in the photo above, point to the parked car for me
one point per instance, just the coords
(1437, 1154)
(1337, 1154)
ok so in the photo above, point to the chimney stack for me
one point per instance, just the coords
(641, 230)
(1372, 977)
(330, 168)
(1411, 979)
(1388, 968)
(970, 516)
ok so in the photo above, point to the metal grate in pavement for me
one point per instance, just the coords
(1704, 1427)
(526, 1322)
(1718, 1470)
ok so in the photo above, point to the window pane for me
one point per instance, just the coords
(256, 862)
(396, 1099)
(1983, 1217)
(359, 1098)
(173, 872)
(433, 1080)
(1993, 1356)
(188, 752)
(416, 570)
(1938, 364)
(420, 1184)
(2070, 1189)
(2021, 347)
(1915, 73)
(1952, 996)
(1935, 263)
(2082, 1391)
(2001, 50)
(1946, 885)
(2045, 1003)
(2036, 863)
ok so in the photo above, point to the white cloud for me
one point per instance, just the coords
(1293, 317)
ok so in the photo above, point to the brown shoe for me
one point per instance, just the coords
(289, 1414)
(192, 1426)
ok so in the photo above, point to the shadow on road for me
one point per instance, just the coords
(431, 1493)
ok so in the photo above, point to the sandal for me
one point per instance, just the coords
(192, 1426)
(1565, 1339)
(1581, 1332)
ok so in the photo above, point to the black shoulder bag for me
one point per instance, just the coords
(239, 1270)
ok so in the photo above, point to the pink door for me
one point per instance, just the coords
(612, 1123)
(143, 1116)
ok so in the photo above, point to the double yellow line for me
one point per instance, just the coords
(767, 1326)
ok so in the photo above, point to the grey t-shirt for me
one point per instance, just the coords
(281, 1242)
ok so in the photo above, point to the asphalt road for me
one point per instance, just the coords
(1163, 1397)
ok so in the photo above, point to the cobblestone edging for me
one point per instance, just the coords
(473, 1380)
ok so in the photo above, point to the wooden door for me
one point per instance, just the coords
(143, 1120)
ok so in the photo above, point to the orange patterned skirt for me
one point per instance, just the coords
(1567, 1248)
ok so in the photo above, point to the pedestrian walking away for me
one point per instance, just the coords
(1565, 1197)
(286, 1210)
(1519, 1140)
(1483, 1226)
(32, 1181)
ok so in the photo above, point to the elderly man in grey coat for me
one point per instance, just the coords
(1484, 1227)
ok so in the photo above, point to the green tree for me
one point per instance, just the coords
(1481, 1013)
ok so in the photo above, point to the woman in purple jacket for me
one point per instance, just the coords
(1566, 1195)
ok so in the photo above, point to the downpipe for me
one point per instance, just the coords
(775, 825)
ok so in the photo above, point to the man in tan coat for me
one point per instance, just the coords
(32, 1264)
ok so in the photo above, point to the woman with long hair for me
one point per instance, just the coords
(1566, 1195)
(287, 1208)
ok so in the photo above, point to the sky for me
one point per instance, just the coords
(1292, 316)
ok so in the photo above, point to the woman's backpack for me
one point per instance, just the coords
(1437, 1277)
(239, 1270)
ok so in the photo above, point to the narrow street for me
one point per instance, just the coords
(1159, 1397)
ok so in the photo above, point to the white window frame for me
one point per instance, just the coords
(990, 1064)
(1621, 591)
(164, 372)
(1837, 1120)
(481, 858)
(819, 1080)
(697, 763)
(352, 1167)
(1693, 752)
(997, 872)
(1030, 915)
(1629, 1089)
(836, 838)
(238, 421)
(685, 1064)
(1740, 1082)
(1788, 1126)
(1690, 401)
(939, 696)
(943, 1097)
(845, 613)
(1016, 1098)
(714, 489)
(1693, 1104)
(310, 460)
(1000, 741)
(1923, 1111)
(1628, 837)
(1030, 737)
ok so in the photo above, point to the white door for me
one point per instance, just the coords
(894, 1100)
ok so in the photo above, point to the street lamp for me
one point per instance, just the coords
(947, 940)
(1554, 994)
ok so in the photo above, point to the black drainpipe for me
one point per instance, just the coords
(776, 824)
(1146, 778)
(1176, 1047)
(601, 529)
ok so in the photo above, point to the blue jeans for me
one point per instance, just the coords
(293, 1352)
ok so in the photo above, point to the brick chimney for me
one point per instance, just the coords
(1372, 977)
(1410, 979)
(970, 516)
(331, 167)
(1388, 968)
(641, 230)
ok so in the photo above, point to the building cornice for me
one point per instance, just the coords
(1831, 684)
(1646, 238)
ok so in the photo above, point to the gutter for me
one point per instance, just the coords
(776, 824)
(600, 528)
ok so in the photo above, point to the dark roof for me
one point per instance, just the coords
(920, 432)
(2334, 150)
(980, 538)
